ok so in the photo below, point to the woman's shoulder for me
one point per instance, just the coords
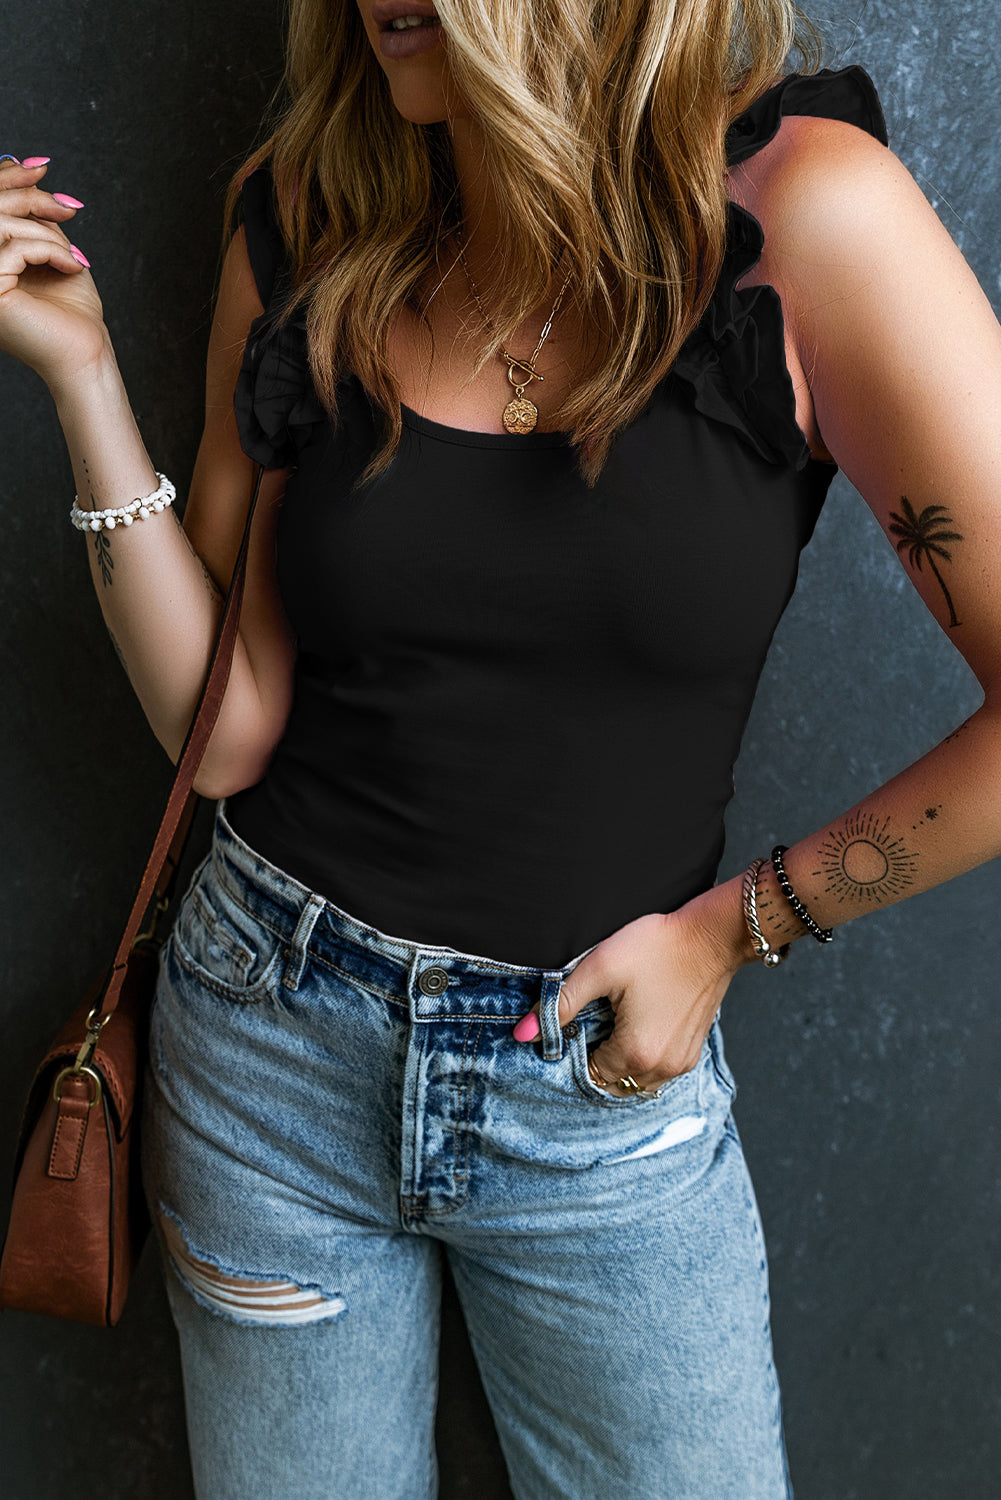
(802, 142)
(258, 218)
(826, 192)
(848, 239)
(807, 185)
(811, 155)
(792, 156)
(803, 159)
(847, 95)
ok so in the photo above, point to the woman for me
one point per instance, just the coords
(449, 980)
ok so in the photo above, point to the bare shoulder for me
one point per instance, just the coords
(238, 301)
(215, 515)
(771, 185)
(851, 245)
(836, 208)
(901, 348)
(809, 144)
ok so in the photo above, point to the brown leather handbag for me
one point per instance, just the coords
(79, 1218)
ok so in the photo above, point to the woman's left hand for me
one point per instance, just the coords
(665, 975)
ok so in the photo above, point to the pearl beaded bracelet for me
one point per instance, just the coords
(124, 515)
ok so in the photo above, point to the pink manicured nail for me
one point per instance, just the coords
(35, 161)
(527, 1028)
(67, 201)
(79, 255)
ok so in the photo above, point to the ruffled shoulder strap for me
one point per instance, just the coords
(264, 242)
(275, 401)
(734, 361)
(833, 94)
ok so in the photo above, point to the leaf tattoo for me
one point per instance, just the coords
(103, 550)
(922, 535)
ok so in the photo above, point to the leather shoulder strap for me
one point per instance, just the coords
(161, 867)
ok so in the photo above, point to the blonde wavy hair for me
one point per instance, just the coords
(604, 126)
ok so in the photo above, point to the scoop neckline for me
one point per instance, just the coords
(467, 437)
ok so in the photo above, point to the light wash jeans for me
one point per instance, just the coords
(329, 1109)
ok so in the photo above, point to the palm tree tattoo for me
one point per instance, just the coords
(923, 536)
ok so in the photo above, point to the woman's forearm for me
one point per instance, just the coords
(936, 819)
(159, 602)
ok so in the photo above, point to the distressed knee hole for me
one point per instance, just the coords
(240, 1297)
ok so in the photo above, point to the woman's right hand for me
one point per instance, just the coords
(51, 317)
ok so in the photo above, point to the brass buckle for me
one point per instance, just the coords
(94, 1029)
(72, 1068)
(79, 1065)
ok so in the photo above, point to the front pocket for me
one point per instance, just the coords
(590, 1029)
(218, 940)
(721, 1067)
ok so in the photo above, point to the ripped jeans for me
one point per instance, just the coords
(329, 1109)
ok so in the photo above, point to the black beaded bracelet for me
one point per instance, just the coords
(822, 934)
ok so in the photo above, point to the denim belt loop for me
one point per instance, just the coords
(296, 956)
(549, 1015)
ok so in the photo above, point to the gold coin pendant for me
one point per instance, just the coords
(520, 414)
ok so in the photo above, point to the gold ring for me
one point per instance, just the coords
(628, 1082)
(592, 1068)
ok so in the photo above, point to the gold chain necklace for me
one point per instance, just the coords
(520, 414)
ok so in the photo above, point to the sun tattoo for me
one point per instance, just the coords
(864, 861)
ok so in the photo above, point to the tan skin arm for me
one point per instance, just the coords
(216, 511)
(902, 353)
(160, 586)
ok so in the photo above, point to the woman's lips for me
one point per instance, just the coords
(409, 42)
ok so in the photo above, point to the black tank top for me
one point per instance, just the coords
(517, 701)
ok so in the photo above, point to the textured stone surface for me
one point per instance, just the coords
(868, 1071)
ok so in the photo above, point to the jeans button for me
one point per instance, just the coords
(432, 981)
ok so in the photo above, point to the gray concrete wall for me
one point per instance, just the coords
(868, 1071)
